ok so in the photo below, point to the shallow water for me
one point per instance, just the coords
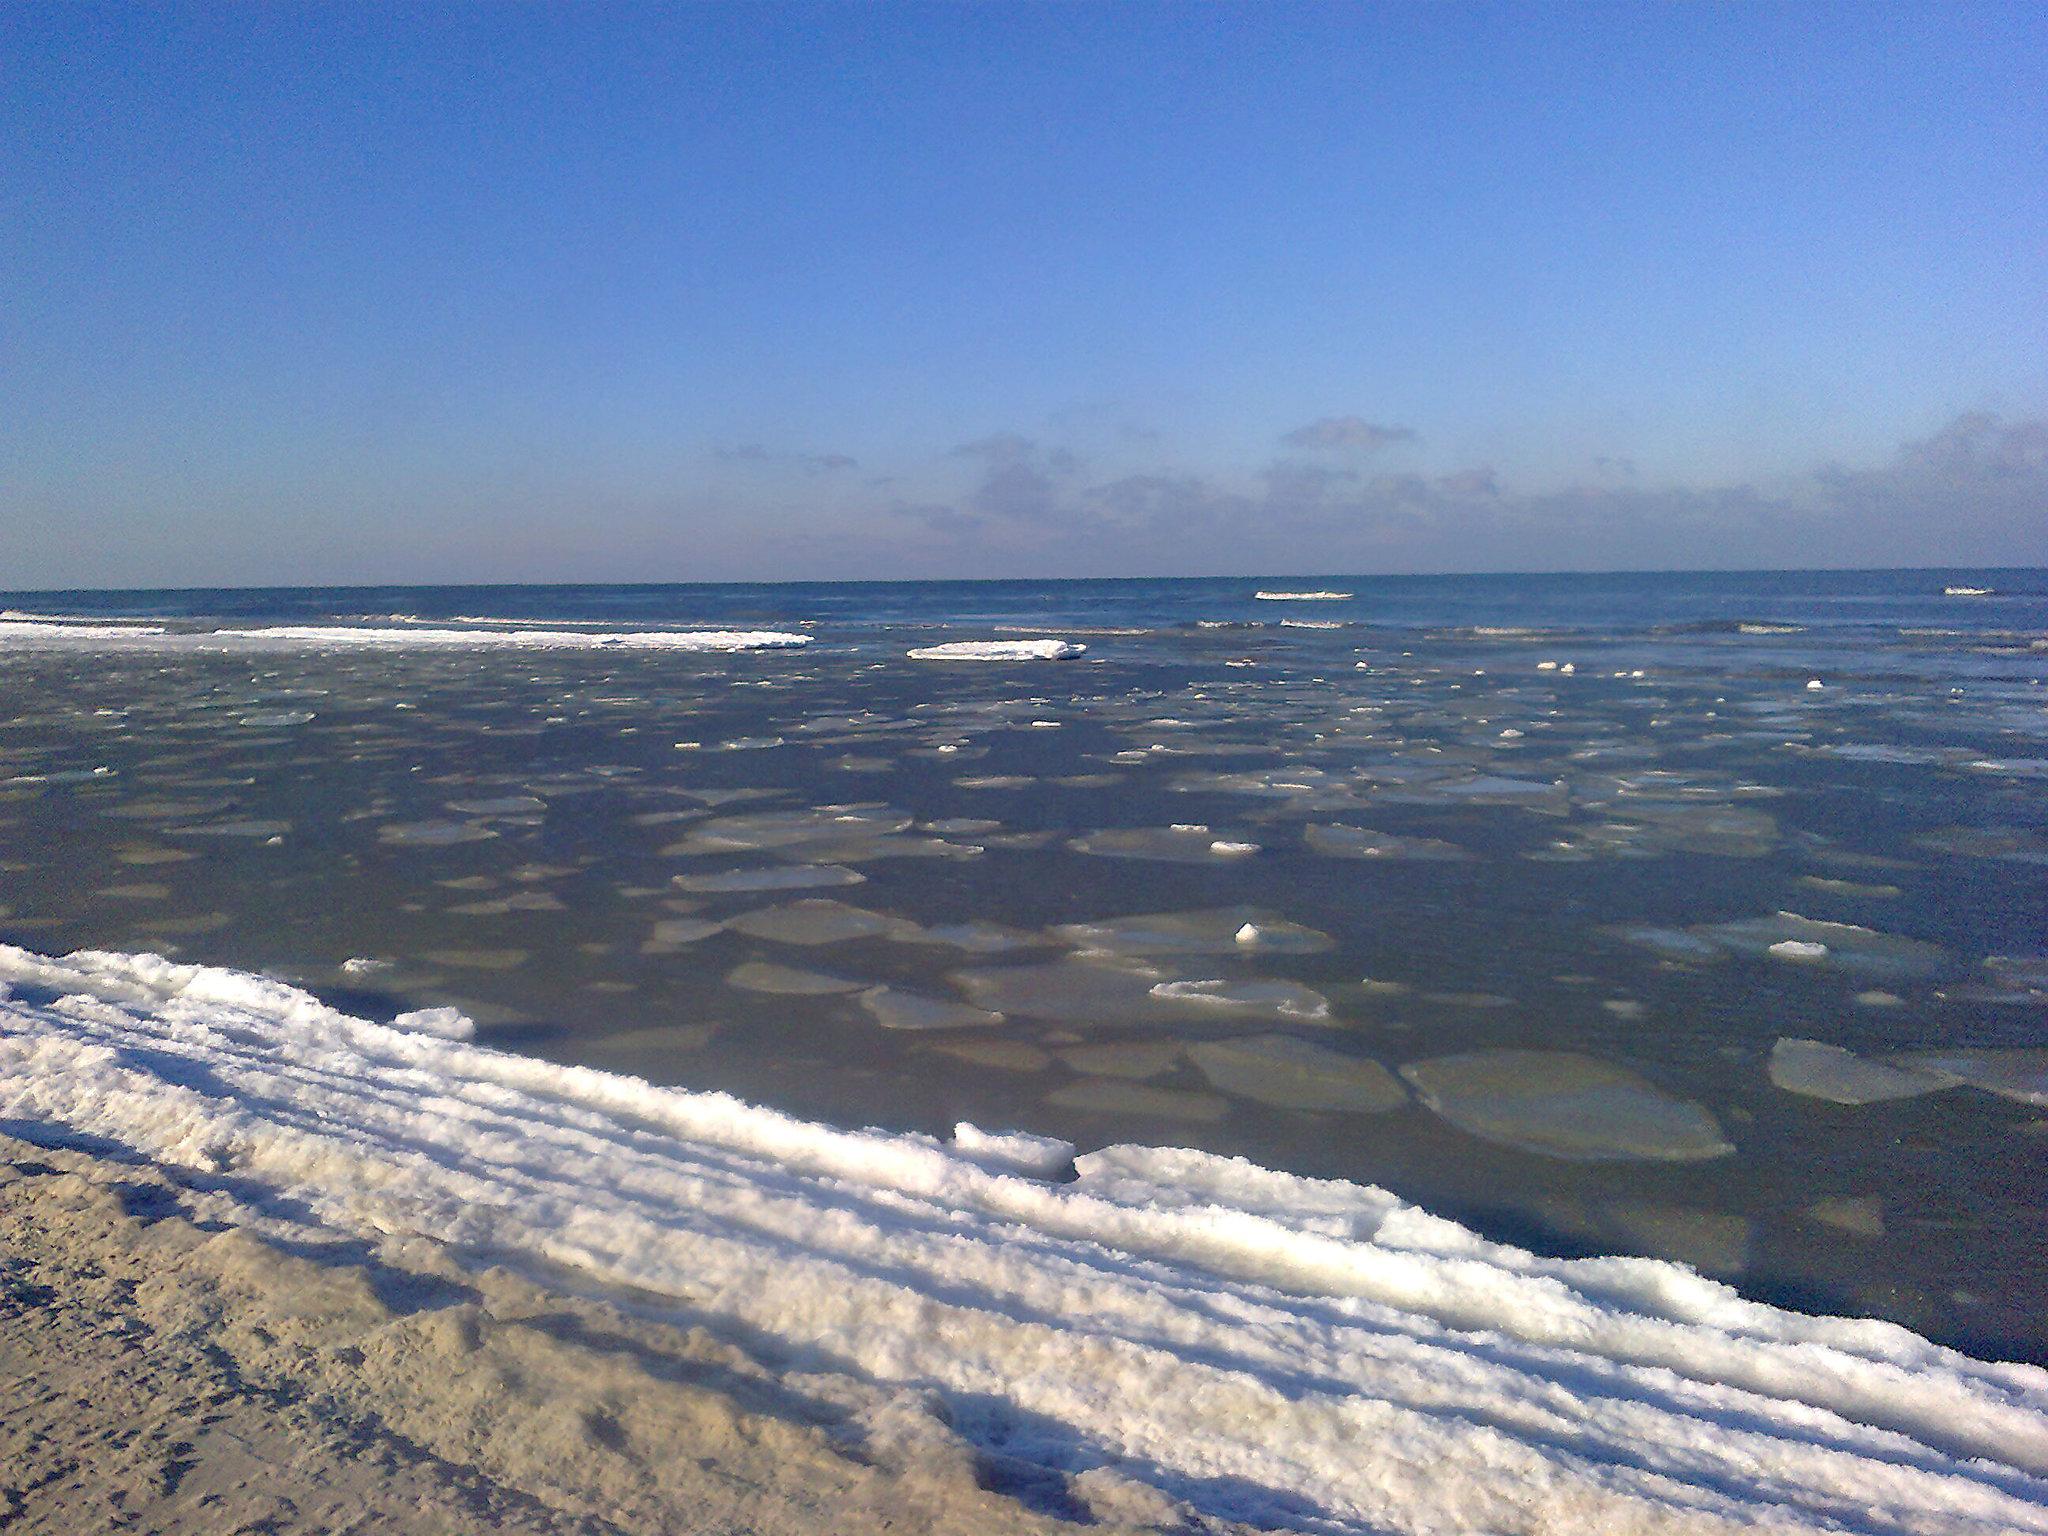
(1103, 893)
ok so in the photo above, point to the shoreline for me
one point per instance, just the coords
(163, 1368)
(610, 1302)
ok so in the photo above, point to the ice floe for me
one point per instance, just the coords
(1216, 931)
(998, 650)
(1297, 1074)
(1348, 842)
(1266, 1348)
(788, 980)
(895, 1008)
(774, 877)
(1185, 844)
(1822, 1071)
(819, 920)
(1567, 1105)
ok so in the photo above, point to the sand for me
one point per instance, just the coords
(157, 1374)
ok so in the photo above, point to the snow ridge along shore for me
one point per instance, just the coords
(1237, 1343)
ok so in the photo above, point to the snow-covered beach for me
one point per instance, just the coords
(1168, 1337)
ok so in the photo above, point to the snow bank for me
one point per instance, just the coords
(998, 650)
(1269, 1348)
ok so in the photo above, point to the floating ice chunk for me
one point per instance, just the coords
(776, 877)
(1822, 1071)
(1862, 951)
(894, 1008)
(364, 965)
(1347, 842)
(1565, 1105)
(1301, 597)
(1815, 685)
(674, 932)
(478, 959)
(255, 831)
(1552, 799)
(979, 937)
(1216, 931)
(446, 1023)
(1277, 999)
(1137, 1059)
(1851, 888)
(1725, 831)
(1145, 1101)
(1092, 990)
(820, 921)
(1297, 1074)
(274, 718)
(1798, 949)
(1180, 845)
(1003, 1055)
(1043, 1157)
(998, 650)
(2012, 767)
(2021, 845)
(433, 834)
(788, 980)
(2019, 1074)
(794, 830)
(1967, 592)
(500, 805)
(1672, 943)
(2026, 973)
(1858, 1216)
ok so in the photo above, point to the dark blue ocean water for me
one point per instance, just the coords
(1619, 602)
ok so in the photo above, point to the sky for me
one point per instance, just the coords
(438, 293)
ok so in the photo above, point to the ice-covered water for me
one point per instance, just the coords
(1565, 907)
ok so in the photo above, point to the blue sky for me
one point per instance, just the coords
(368, 293)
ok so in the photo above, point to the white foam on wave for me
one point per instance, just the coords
(998, 650)
(411, 638)
(12, 628)
(1269, 1348)
(1301, 597)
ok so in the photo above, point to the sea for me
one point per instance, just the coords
(1701, 917)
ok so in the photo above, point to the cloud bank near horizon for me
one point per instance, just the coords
(1974, 492)
(1342, 494)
